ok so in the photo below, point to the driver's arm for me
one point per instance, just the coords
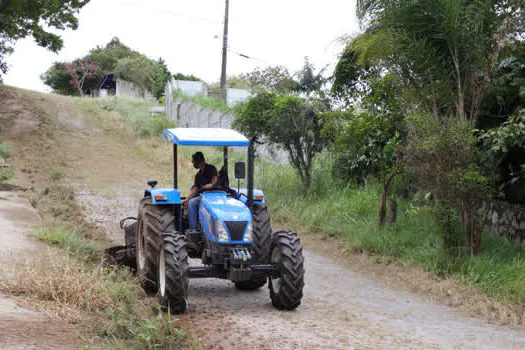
(214, 181)
(193, 193)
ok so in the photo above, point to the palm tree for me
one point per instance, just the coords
(444, 50)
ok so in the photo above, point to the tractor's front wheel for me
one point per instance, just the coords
(173, 273)
(286, 254)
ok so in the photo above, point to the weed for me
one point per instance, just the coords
(5, 149)
(56, 175)
(153, 126)
(6, 174)
(71, 241)
(351, 212)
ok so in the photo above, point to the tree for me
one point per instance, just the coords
(140, 70)
(292, 122)
(22, 18)
(161, 77)
(81, 71)
(188, 77)
(445, 51)
(58, 78)
(309, 81)
(272, 78)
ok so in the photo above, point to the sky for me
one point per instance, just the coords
(188, 35)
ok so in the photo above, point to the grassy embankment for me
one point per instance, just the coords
(72, 282)
(351, 213)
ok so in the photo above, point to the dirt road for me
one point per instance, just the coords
(342, 309)
(21, 328)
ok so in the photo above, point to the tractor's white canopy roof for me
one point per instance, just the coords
(205, 137)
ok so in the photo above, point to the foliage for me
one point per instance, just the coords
(115, 57)
(309, 81)
(58, 79)
(21, 18)
(365, 136)
(140, 70)
(81, 71)
(189, 77)
(272, 78)
(439, 49)
(498, 144)
(506, 95)
(335, 208)
(154, 126)
(162, 76)
(443, 157)
(5, 149)
(291, 122)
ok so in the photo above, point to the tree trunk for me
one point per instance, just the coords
(382, 208)
(392, 212)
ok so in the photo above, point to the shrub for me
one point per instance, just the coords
(153, 126)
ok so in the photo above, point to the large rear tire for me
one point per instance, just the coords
(286, 291)
(153, 220)
(262, 237)
(173, 273)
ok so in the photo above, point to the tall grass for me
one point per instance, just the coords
(351, 212)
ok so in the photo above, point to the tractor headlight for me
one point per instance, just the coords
(221, 231)
(249, 233)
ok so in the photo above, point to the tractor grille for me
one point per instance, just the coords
(236, 229)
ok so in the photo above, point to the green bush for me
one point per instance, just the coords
(153, 126)
(349, 211)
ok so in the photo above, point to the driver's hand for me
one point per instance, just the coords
(185, 201)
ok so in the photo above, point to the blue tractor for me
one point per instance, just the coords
(234, 240)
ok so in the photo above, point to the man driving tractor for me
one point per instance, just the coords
(206, 178)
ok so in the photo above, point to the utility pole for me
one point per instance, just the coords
(225, 51)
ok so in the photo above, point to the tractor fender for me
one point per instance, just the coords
(161, 196)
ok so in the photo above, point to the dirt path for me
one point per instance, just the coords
(342, 309)
(21, 328)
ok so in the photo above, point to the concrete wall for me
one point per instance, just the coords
(127, 89)
(189, 115)
(506, 219)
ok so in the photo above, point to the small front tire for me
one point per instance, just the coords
(286, 254)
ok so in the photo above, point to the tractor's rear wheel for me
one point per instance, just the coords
(173, 273)
(153, 220)
(286, 290)
(262, 237)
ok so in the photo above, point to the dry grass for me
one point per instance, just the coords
(57, 277)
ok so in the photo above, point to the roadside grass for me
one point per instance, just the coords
(343, 210)
(71, 280)
(351, 212)
(76, 279)
(5, 149)
(6, 174)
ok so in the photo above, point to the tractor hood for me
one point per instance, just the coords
(225, 208)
